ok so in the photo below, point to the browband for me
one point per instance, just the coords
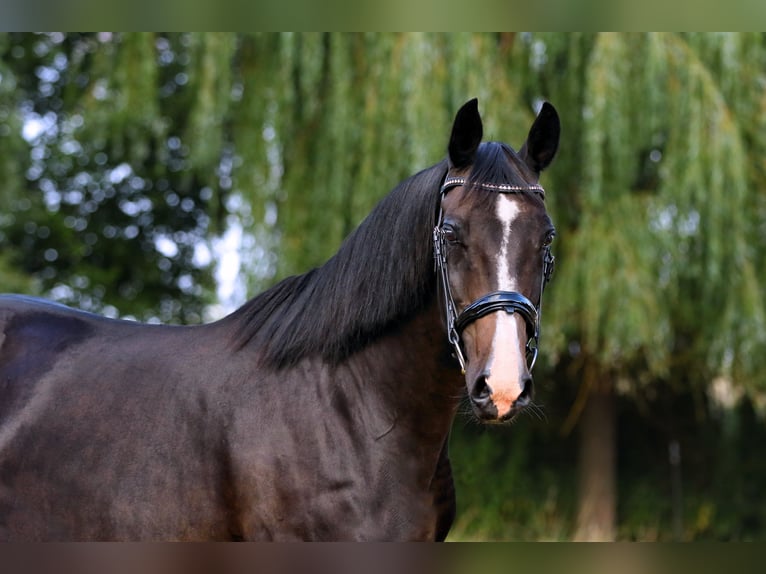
(452, 181)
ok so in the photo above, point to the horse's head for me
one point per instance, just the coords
(492, 247)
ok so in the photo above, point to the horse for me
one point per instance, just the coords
(319, 410)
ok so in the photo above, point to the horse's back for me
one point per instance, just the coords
(37, 335)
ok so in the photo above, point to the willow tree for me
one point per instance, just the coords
(345, 117)
(659, 211)
(155, 139)
(153, 144)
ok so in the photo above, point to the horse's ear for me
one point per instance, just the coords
(466, 135)
(543, 139)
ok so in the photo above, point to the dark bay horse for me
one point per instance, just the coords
(321, 409)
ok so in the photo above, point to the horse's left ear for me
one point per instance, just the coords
(543, 139)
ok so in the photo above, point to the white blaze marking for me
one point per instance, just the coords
(506, 362)
(507, 211)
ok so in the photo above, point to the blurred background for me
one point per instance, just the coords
(169, 177)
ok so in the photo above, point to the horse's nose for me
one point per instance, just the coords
(486, 401)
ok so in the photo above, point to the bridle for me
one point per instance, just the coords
(508, 301)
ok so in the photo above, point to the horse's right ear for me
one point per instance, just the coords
(466, 135)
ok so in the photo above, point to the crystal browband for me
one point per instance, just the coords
(451, 182)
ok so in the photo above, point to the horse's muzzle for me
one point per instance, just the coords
(500, 405)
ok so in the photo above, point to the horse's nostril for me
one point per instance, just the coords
(527, 391)
(481, 391)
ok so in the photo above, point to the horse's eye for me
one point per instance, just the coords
(450, 234)
(548, 239)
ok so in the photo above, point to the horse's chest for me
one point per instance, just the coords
(337, 500)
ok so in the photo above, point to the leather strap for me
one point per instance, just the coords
(508, 301)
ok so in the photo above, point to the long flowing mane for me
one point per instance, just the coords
(382, 274)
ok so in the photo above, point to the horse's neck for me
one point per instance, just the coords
(414, 378)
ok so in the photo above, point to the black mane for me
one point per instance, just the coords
(382, 274)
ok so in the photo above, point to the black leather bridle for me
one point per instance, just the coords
(508, 301)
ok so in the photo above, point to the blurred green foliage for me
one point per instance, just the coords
(519, 483)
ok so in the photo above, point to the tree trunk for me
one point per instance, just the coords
(597, 473)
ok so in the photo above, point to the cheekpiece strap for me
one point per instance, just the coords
(452, 181)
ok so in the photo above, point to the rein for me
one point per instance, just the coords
(508, 301)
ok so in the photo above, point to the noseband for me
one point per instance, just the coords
(508, 301)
